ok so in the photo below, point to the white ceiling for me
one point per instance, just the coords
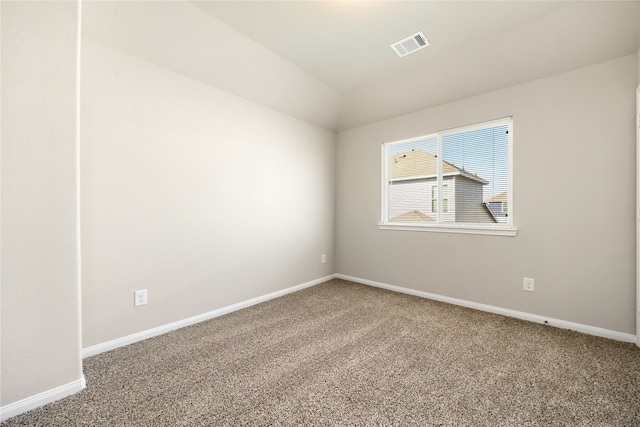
(346, 43)
(476, 46)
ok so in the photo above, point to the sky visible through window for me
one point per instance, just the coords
(484, 152)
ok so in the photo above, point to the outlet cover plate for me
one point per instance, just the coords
(528, 284)
(140, 298)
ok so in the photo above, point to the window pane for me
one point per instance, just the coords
(477, 162)
(412, 173)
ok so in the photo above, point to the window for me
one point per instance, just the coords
(434, 199)
(454, 180)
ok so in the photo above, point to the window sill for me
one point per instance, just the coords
(460, 228)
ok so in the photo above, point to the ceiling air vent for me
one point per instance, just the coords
(410, 44)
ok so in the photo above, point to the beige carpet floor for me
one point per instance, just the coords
(341, 353)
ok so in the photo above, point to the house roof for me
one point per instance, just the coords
(414, 216)
(417, 164)
(502, 197)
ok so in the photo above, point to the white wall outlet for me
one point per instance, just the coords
(528, 284)
(140, 298)
(323, 258)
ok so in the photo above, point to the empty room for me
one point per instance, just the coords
(319, 213)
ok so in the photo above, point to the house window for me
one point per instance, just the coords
(454, 180)
(445, 199)
(434, 199)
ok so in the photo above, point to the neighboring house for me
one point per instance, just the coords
(498, 205)
(413, 191)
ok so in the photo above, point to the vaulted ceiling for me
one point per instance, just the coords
(341, 49)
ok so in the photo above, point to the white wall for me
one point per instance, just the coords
(201, 197)
(574, 138)
(39, 244)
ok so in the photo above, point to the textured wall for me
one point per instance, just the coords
(201, 197)
(574, 151)
(40, 252)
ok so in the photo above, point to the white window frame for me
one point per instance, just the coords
(488, 229)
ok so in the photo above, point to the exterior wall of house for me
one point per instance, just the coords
(469, 207)
(497, 208)
(409, 196)
(584, 269)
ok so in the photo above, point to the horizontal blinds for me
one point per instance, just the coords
(471, 186)
(412, 172)
(482, 158)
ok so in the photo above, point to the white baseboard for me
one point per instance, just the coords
(563, 324)
(139, 336)
(41, 399)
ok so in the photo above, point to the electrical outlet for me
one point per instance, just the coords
(528, 284)
(323, 258)
(140, 298)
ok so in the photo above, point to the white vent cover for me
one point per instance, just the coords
(410, 44)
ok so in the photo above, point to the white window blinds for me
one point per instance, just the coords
(459, 176)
